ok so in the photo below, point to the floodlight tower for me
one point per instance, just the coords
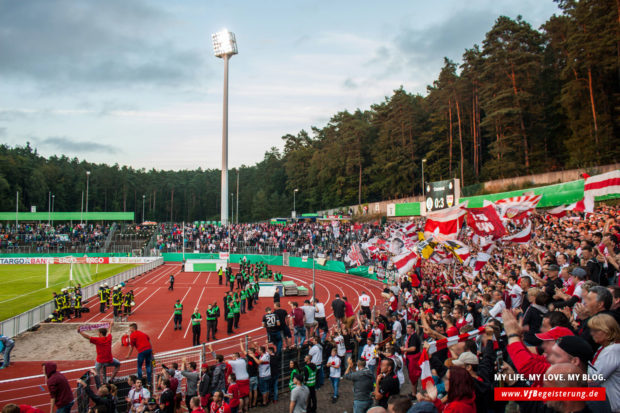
(224, 46)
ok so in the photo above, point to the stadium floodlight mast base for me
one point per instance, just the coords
(224, 47)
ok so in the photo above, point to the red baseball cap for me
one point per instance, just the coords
(204, 365)
(555, 333)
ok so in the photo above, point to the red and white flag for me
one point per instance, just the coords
(450, 341)
(485, 221)
(445, 223)
(603, 184)
(521, 237)
(486, 244)
(479, 262)
(410, 229)
(585, 205)
(426, 377)
(405, 262)
(517, 207)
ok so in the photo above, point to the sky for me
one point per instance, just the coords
(135, 82)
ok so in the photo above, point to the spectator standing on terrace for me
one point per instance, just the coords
(59, 389)
(103, 345)
(363, 383)
(138, 397)
(142, 343)
(319, 316)
(386, 384)
(219, 405)
(365, 304)
(188, 370)
(605, 332)
(272, 325)
(309, 312)
(297, 318)
(338, 308)
(299, 395)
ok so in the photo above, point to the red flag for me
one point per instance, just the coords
(485, 222)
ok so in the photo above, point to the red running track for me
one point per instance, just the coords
(24, 383)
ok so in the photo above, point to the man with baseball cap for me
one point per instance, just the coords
(571, 349)
(549, 338)
(152, 406)
(524, 360)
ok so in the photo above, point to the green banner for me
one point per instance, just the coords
(407, 209)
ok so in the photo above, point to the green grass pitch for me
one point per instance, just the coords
(22, 287)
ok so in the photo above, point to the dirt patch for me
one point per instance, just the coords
(59, 342)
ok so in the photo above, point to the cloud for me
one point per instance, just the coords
(63, 43)
(447, 38)
(68, 145)
(2, 132)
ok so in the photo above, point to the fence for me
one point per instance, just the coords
(25, 321)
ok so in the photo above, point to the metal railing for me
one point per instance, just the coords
(26, 320)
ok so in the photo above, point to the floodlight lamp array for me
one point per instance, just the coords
(224, 43)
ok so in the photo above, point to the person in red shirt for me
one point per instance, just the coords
(103, 344)
(219, 405)
(142, 343)
(233, 394)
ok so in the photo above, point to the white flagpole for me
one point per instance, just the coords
(47, 274)
(183, 241)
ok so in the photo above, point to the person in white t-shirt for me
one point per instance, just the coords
(397, 331)
(365, 304)
(264, 374)
(370, 356)
(333, 362)
(138, 397)
(516, 293)
(498, 306)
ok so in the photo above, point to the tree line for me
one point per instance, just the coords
(524, 101)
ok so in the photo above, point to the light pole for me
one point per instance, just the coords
(423, 190)
(232, 208)
(53, 199)
(143, 198)
(49, 207)
(87, 180)
(224, 46)
(294, 210)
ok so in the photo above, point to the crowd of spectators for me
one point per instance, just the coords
(536, 313)
(43, 237)
(296, 238)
